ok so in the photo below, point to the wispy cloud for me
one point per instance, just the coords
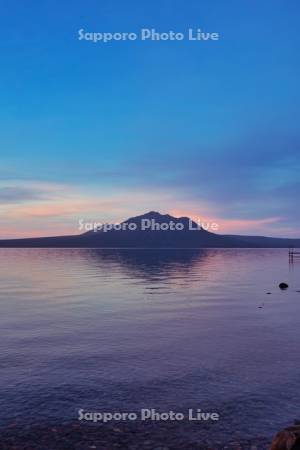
(15, 194)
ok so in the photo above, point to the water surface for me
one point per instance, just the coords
(128, 329)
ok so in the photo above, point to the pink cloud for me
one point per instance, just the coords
(230, 226)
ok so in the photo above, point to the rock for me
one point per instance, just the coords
(287, 439)
(283, 285)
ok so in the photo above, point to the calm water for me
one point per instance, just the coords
(124, 330)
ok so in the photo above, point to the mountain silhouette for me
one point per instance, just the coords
(153, 230)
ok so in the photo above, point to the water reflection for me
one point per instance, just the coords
(150, 264)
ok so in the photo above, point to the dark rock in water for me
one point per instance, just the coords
(287, 439)
(283, 286)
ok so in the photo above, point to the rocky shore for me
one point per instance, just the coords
(75, 436)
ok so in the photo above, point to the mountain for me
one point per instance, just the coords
(153, 230)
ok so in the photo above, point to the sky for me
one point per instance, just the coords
(105, 131)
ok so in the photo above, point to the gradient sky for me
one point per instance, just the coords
(106, 131)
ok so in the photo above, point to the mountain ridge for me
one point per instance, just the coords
(135, 236)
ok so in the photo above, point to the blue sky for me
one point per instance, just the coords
(105, 131)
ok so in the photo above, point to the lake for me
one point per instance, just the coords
(121, 330)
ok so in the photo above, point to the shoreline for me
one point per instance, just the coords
(75, 435)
